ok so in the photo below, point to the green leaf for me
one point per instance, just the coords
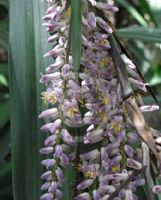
(4, 3)
(139, 33)
(3, 80)
(4, 143)
(5, 113)
(133, 12)
(28, 43)
(147, 10)
(4, 32)
(76, 32)
(156, 79)
(4, 68)
(5, 180)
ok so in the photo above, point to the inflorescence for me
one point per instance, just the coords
(91, 99)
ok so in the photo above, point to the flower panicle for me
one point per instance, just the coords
(93, 99)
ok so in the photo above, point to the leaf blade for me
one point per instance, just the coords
(76, 27)
(139, 33)
(26, 63)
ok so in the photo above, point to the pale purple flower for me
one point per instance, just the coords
(46, 150)
(46, 127)
(149, 108)
(53, 187)
(134, 164)
(49, 77)
(48, 163)
(128, 195)
(49, 141)
(47, 196)
(91, 20)
(83, 196)
(58, 194)
(96, 195)
(52, 112)
(55, 126)
(92, 155)
(64, 160)
(45, 186)
(103, 25)
(129, 150)
(85, 184)
(58, 151)
(157, 189)
(47, 175)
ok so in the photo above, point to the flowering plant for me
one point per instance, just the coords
(100, 99)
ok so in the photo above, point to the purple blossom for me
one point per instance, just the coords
(85, 184)
(90, 101)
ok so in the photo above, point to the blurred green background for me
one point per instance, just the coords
(138, 23)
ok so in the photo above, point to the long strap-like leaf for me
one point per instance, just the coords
(27, 45)
(76, 32)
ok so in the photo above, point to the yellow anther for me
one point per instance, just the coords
(116, 127)
(104, 42)
(78, 167)
(104, 117)
(71, 112)
(104, 61)
(81, 101)
(115, 169)
(89, 174)
(105, 101)
(49, 97)
(68, 12)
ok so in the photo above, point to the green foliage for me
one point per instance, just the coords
(5, 146)
(28, 42)
(5, 183)
(76, 29)
(133, 12)
(150, 35)
(26, 64)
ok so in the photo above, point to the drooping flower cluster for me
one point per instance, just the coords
(61, 97)
(92, 99)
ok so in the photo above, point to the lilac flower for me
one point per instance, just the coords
(82, 196)
(93, 99)
(47, 175)
(57, 23)
(46, 150)
(45, 186)
(48, 163)
(85, 184)
(157, 189)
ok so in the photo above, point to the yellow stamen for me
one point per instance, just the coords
(78, 167)
(116, 127)
(104, 61)
(49, 98)
(104, 42)
(82, 101)
(104, 117)
(71, 112)
(105, 101)
(115, 169)
(89, 174)
(68, 12)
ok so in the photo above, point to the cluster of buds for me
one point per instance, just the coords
(92, 99)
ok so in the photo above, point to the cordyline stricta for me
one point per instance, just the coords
(102, 99)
